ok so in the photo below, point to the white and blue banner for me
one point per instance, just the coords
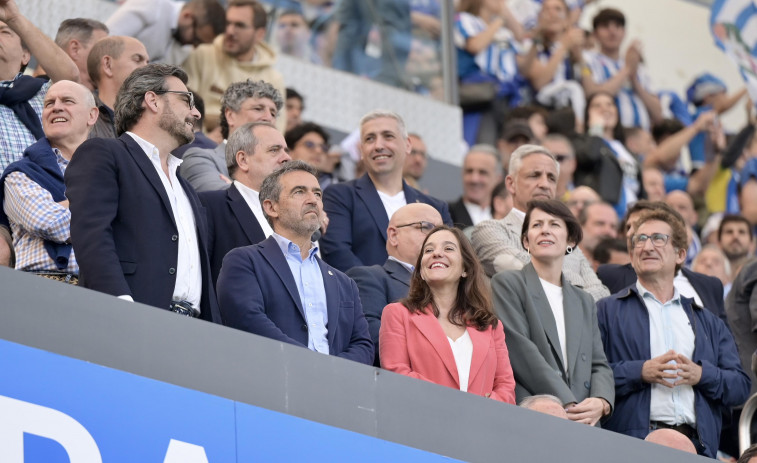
(733, 24)
(56, 409)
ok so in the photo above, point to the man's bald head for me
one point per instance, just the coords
(408, 228)
(545, 403)
(671, 438)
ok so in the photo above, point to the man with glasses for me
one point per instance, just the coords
(168, 29)
(236, 55)
(380, 285)
(675, 364)
(309, 142)
(138, 229)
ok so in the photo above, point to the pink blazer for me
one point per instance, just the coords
(415, 345)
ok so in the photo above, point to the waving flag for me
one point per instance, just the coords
(733, 23)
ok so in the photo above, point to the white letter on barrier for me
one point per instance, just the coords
(18, 417)
(183, 452)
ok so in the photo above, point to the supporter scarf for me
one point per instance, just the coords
(16, 95)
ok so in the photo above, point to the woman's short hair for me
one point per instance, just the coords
(556, 209)
(473, 305)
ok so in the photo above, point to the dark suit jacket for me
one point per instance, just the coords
(379, 286)
(122, 225)
(460, 216)
(710, 289)
(534, 345)
(257, 293)
(357, 222)
(231, 224)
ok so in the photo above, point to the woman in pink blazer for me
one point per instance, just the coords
(445, 331)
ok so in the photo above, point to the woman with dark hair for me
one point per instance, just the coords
(604, 163)
(445, 331)
(553, 336)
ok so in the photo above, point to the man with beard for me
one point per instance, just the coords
(137, 227)
(736, 240)
(280, 289)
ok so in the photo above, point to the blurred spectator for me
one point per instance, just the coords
(502, 201)
(682, 202)
(480, 176)
(533, 175)
(722, 193)
(536, 116)
(671, 438)
(748, 191)
(624, 78)
(736, 239)
(32, 192)
(639, 141)
(579, 198)
(709, 233)
(598, 221)
(612, 251)
(309, 142)
(415, 162)
(429, 330)
(561, 147)
(235, 215)
(359, 210)
(292, 36)
(424, 61)
(516, 133)
(374, 39)
(380, 285)
(749, 455)
(739, 307)
(21, 96)
(109, 63)
(295, 104)
(653, 182)
(237, 55)
(168, 29)
(713, 262)
(277, 287)
(201, 140)
(527, 11)
(76, 37)
(545, 403)
(242, 102)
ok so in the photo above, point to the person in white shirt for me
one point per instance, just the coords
(481, 172)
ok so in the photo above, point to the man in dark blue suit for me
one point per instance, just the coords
(380, 285)
(280, 289)
(235, 216)
(138, 229)
(359, 210)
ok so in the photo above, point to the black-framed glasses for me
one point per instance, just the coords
(190, 96)
(311, 145)
(423, 226)
(658, 240)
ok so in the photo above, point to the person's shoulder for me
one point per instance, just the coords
(365, 270)
(212, 196)
(197, 152)
(341, 189)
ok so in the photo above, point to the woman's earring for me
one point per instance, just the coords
(569, 249)
(464, 275)
(528, 251)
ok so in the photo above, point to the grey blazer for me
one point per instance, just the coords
(202, 168)
(533, 344)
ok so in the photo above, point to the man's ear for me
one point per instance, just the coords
(241, 158)
(270, 208)
(106, 65)
(391, 236)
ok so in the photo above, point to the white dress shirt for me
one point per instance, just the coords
(252, 198)
(188, 267)
(477, 213)
(555, 299)
(462, 350)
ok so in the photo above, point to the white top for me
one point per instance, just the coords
(554, 296)
(683, 285)
(462, 350)
(252, 198)
(188, 268)
(630, 168)
(477, 213)
(392, 203)
(669, 328)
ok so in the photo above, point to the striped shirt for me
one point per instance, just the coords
(631, 109)
(527, 11)
(14, 136)
(498, 59)
(34, 218)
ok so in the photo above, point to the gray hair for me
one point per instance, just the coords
(381, 113)
(80, 29)
(486, 149)
(516, 159)
(243, 139)
(238, 92)
(716, 248)
(530, 401)
(271, 188)
(131, 95)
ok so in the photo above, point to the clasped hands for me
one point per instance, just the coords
(671, 369)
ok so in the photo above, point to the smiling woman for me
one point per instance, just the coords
(445, 331)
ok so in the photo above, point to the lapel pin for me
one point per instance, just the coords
(331, 273)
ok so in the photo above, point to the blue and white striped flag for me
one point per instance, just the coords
(733, 24)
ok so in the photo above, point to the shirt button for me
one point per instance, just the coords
(171, 271)
(304, 327)
(175, 238)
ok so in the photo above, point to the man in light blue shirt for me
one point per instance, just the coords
(280, 289)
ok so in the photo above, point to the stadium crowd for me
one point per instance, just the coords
(599, 265)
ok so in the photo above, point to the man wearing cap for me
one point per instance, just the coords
(516, 133)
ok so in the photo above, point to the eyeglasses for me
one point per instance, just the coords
(311, 145)
(658, 240)
(423, 226)
(562, 157)
(190, 96)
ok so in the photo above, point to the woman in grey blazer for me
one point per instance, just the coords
(551, 325)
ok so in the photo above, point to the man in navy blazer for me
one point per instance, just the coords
(380, 285)
(359, 210)
(235, 216)
(138, 229)
(280, 289)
